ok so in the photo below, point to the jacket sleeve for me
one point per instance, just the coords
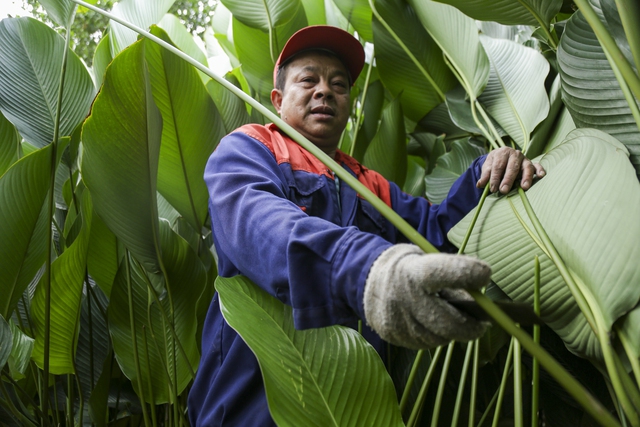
(434, 221)
(309, 263)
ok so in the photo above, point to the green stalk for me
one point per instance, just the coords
(626, 344)
(503, 384)
(441, 386)
(474, 382)
(361, 112)
(517, 384)
(154, 419)
(407, 51)
(412, 376)
(417, 406)
(535, 392)
(463, 379)
(485, 414)
(402, 226)
(476, 214)
(629, 11)
(573, 387)
(487, 120)
(136, 356)
(50, 211)
(610, 45)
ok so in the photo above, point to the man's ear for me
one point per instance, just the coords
(276, 99)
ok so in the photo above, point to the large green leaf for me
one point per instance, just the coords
(191, 128)
(121, 140)
(457, 36)
(372, 111)
(258, 50)
(101, 59)
(59, 11)
(6, 342)
(317, 377)
(20, 352)
(30, 66)
(9, 144)
(449, 167)
(23, 190)
(184, 40)
(510, 12)
(590, 89)
(515, 95)
(422, 89)
(67, 278)
(142, 13)
(387, 153)
(358, 13)
(315, 11)
(264, 15)
(160, 358)
(103, 257)
(232, 109)
(583, 217)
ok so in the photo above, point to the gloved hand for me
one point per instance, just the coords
(405, 296)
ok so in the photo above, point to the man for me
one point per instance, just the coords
(281, 218)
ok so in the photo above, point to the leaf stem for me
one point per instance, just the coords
(422, 394)
(474, 382)
(535, 388)
(461, 384)
(444, 372)
(629, 11)
(503, 384)
(410, 380)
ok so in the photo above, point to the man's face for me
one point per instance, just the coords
(315, 98)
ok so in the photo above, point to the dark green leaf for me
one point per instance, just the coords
(6, 342)
(9, 144)
(20, 352)
(142, 13)
(59, 11)
(264, 15)
(358, 13)
(232, 109)
(510, 12)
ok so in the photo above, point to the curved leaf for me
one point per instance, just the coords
(515, 95)
(420, 92)
(161, 359)
(315, 11)
(358, 13)
(258, 54)
(449, 167)
(142, 13)
(9, 144)
(509, 12)
(30, 66)
(590, 89)
(316, 377)
(184, 40)
(23, 190)
(263, 14)
(121, 140)
(101, 59)
(232, 109)
(372, 111)
(457, 36)
(67, 278)
(103, 257)
(59, 11)
(6, 342)
(20, 352)
(387, 153)
(582, 216)
(191, 128)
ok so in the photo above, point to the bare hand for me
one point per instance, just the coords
(503, 166)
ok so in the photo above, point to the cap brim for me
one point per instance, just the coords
(344, 45)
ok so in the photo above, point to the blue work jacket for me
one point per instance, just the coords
(279, 218)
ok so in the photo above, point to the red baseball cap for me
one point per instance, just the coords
(346, 47)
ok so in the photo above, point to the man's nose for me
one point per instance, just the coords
(324, 89)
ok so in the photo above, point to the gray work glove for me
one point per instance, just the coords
(406, 291)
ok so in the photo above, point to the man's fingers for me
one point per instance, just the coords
(528, 170)
(502, 168)
(486, 172)
(509, 174)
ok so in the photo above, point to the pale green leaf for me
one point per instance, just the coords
(515, 95)
(317, 377)
(191, 129)
(582, 216)
(6, 342)
(161, 357)
(510, 12)
(23, 191)
(104, 256)
(9, 144)
(60, 11)
(590, 89)
(101, 59)
(315, 12)
(264, 15)
(457, 36)
(30, 66)
(449, 167)
(20, 352)
(232, 109)
(142, 13)
(358, 13)
(184, 40)
(422, 87)
(121, 140)
(387, 153)
(67, 279)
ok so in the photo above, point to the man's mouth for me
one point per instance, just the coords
(323, 110)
